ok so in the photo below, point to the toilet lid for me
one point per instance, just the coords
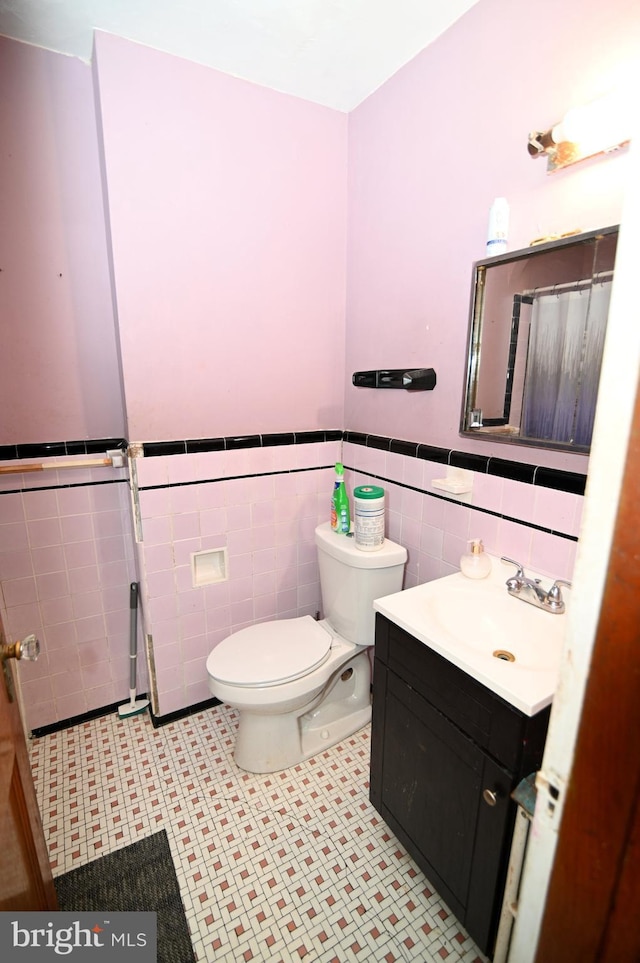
(270, 652)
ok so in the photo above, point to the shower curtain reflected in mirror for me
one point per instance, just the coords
(566, 341)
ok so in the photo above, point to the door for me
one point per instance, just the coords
(593, 902)
(26, 881)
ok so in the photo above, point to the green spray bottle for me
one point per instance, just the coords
(340, 517)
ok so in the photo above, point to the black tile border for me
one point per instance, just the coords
(56, 449)
(515, 470)
(52, 449)
(234, 442)
(469, 460)
(379, 442)
(562, 481)
(409, 448)
(107, 710)
(202, 444)
(429, 453)
(277, 439)
(177, 714)
(112, 709)
(162, 448)
(557, 479)
(242, 441)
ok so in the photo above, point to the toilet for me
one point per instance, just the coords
(300, 685)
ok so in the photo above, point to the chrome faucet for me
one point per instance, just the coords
(530, 590)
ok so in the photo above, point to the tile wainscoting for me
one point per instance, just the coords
(526, 512)
(260, 497)
(66, 561)
(260, 503)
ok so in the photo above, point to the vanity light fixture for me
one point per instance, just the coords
(597, 128)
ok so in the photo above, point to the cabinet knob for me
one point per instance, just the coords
(490, 797)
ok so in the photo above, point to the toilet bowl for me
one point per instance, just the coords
(301, 685)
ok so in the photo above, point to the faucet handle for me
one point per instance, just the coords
(555, 595)
(520, 572)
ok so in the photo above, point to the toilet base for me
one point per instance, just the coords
(270, 742)
(328, 732)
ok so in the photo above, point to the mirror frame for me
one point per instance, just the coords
(474, 340)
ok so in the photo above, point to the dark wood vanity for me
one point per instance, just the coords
(446, 754)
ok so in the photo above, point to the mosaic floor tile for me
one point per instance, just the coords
(289, 866)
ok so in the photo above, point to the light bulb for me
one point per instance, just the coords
(598, 126)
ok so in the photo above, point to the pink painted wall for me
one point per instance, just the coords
(428, 152)
(59, 378)
(228, 218)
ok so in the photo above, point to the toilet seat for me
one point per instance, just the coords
(270, 653)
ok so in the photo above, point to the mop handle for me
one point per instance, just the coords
(133, 633)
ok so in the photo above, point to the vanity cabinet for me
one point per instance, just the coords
(445, 755)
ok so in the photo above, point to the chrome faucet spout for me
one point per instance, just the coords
(535, 587)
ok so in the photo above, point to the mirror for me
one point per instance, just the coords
(536, 336)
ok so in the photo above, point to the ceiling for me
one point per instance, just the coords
(332, 52)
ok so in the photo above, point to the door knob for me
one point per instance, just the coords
(28, 649)
(490, 797)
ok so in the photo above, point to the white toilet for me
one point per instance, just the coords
(301, 685)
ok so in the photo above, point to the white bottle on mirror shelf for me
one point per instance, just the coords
(498, 232)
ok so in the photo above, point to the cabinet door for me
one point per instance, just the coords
(432, 795)
(492, 846)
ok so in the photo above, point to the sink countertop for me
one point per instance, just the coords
(467, 620)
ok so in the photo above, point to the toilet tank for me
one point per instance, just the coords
(351, 579)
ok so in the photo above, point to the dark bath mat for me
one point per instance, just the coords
(139, 877)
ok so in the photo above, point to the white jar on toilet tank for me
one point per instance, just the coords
(368, 503)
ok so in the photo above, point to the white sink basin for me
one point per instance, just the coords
(503, 642)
